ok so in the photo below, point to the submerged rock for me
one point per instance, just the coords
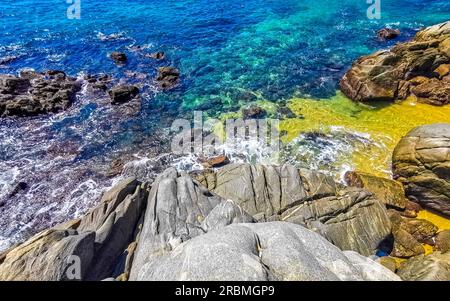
(123, 93)
(34, 93)
(388, 74)
(168, 77)
(118, 57)
(421, 161)
(388, 33)
(351, 218)
(156, 55)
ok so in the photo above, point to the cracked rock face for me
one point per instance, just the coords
(259, 252)
(98, 239)
(178, 210)
(418, 67)
(351, 218)
(179, 230)
(421, 161)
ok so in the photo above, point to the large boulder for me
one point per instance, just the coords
(35, 93)
(435, 266)
(393, 74)
(421, 161)
(264, 251)
(351, 218)
(98, 240)
(179, 209)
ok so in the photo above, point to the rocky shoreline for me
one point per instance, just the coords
(238, 221)
(418, 68)
(245, 222)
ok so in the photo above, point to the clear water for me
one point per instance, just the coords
(226, 50)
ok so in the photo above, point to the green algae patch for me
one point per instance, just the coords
(384, 123)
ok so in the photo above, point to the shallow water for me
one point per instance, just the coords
(230, 53)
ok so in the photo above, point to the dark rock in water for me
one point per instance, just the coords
(98, 239)
(7, 59)
(168, 77)
(115, 168)
(253, 112)
(21, 186)
(98, 81)
(118, 57)
(432, 267)
(123, 93)
(351, 218)
(443, 241)
(285, 112)
(156, 55)
(392, 75)
(216, 161)
(389, 192)
(421, 162)
(55, 74)
(36, 93)
(388, 33)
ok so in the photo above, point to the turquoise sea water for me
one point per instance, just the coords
(228, 52)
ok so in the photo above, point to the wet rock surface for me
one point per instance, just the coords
(168, 77)
(388, 33)
(123, 93)
(118, 57)
(34, 93)
(404, 70)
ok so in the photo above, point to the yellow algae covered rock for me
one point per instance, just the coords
(388, 191)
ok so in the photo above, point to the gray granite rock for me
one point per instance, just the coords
(261, 251)
(351, 218)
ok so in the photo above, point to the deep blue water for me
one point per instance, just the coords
(226, 50)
